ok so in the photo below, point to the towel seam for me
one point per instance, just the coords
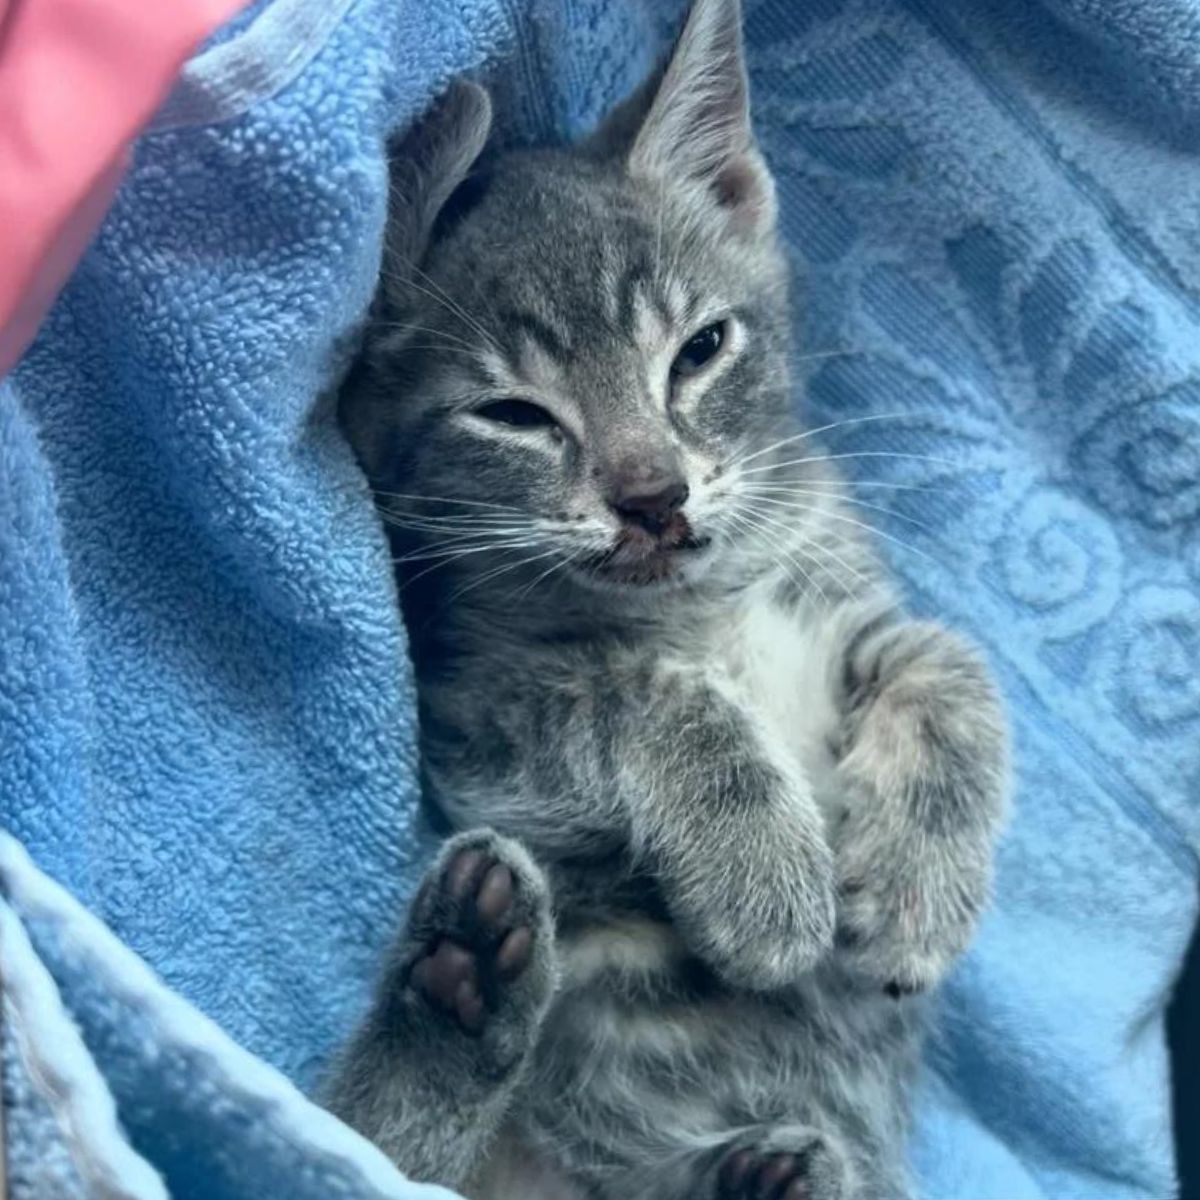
(54, 1101)
(78, 928)
(94, 1176)
(527, 55)
(1144, 253)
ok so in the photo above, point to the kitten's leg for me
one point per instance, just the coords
(781, 1162)
(923, 775)
(790, 1162)
(665, 760)
(732, 833)
(429, 1075)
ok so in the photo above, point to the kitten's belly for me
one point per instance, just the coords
(636, 1053)
(517, 1172)
(782, 669)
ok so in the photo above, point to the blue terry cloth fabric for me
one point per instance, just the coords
(995, 204)
(204, 712)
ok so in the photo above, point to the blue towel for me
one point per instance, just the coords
(205, 716)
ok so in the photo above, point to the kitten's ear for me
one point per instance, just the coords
(428, 163)
(696, 123)
(615, 135)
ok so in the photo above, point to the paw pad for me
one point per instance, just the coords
(751, 1175)
(479, 946)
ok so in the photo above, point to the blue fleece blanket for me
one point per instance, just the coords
(205, 715)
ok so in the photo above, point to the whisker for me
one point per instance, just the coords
(490, 575)
(450, 304)
(461, 351)
(811, 579)
(850, 484)
(837, 558)
(483, 579)
(755, 525)
(842, 499)
(807, 433)
(816, 354)
(410, 327)
(460, 546)
(447, 532)
(446, 500)
(684, 235)
(443, 523)
(833, 516)
(808, 541)
(479, 528)
(662, 200)
(558, 566)
(445, 560)
(429, 548)
(797, 462)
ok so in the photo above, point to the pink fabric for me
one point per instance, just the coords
(78, 80)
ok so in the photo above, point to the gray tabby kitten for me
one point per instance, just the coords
(723, 809)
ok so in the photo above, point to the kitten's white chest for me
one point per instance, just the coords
(781, 666)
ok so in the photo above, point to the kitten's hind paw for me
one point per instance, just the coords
(787, 1164)
(481, 957)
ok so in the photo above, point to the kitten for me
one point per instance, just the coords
(723, 810)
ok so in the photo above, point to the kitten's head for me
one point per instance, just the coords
(577, 347)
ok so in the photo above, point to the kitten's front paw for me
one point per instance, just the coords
(482, 963)
(907, 910)
(765, 916)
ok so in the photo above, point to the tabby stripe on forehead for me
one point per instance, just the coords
(551, 340)
(640, 278)
(633, 280)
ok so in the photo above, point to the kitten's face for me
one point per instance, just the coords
(591, 345)
(591, 363)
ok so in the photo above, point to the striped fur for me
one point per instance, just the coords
(749, 806)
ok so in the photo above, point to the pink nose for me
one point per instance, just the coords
(649, 502)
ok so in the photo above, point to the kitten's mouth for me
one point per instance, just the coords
(640, 558)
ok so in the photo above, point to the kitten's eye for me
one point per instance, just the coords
(519, 413)
(698, 350)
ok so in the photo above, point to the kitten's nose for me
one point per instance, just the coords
(649, 501)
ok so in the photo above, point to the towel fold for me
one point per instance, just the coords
(205, 709)
(63, 154)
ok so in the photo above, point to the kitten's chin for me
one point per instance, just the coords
(654, 574)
